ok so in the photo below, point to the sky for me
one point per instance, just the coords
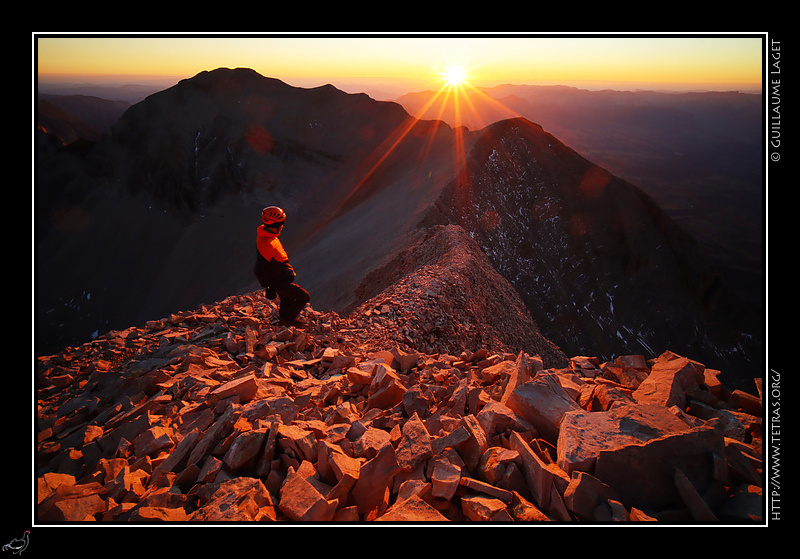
(414, 63)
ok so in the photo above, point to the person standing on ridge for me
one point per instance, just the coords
(273, 270)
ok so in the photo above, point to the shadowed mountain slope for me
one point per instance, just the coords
(699, 155)
(597, 262)
(161, 215)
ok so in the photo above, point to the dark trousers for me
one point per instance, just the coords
(293, 299)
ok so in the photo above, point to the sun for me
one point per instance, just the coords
(454, 75)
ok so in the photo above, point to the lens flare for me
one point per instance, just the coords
(454, 75)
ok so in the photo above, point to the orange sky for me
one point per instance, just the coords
(629, 62)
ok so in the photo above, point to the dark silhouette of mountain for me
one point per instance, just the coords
(698, 154)
(160, 216)
(595, 259)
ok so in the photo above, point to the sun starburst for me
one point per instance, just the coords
(454, 75)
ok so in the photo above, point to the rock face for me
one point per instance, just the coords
(221, 414)
(599, 265)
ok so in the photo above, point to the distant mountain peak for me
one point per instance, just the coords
(592, 255)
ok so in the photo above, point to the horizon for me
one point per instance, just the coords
(386, 67)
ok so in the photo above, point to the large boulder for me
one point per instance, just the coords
(584, 434)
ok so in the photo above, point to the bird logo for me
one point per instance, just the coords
(18, 545)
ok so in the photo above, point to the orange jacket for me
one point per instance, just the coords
(272, 263)
(269, 245)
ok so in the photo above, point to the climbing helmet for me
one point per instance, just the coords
(273, 216)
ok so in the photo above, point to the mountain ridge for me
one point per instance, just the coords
(445, 296)
(221, 414)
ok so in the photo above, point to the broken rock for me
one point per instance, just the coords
(245, 388)
(374, 479)
(481, 508)
(542, 402)
(385, 389)
(413, 509)
(585, 493)
(668, 382)
(445, 478)
(223, 415)
(245, 449)
(301, 501)
(238, 499)
(415, 445)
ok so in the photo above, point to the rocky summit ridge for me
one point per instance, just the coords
(406, 410)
